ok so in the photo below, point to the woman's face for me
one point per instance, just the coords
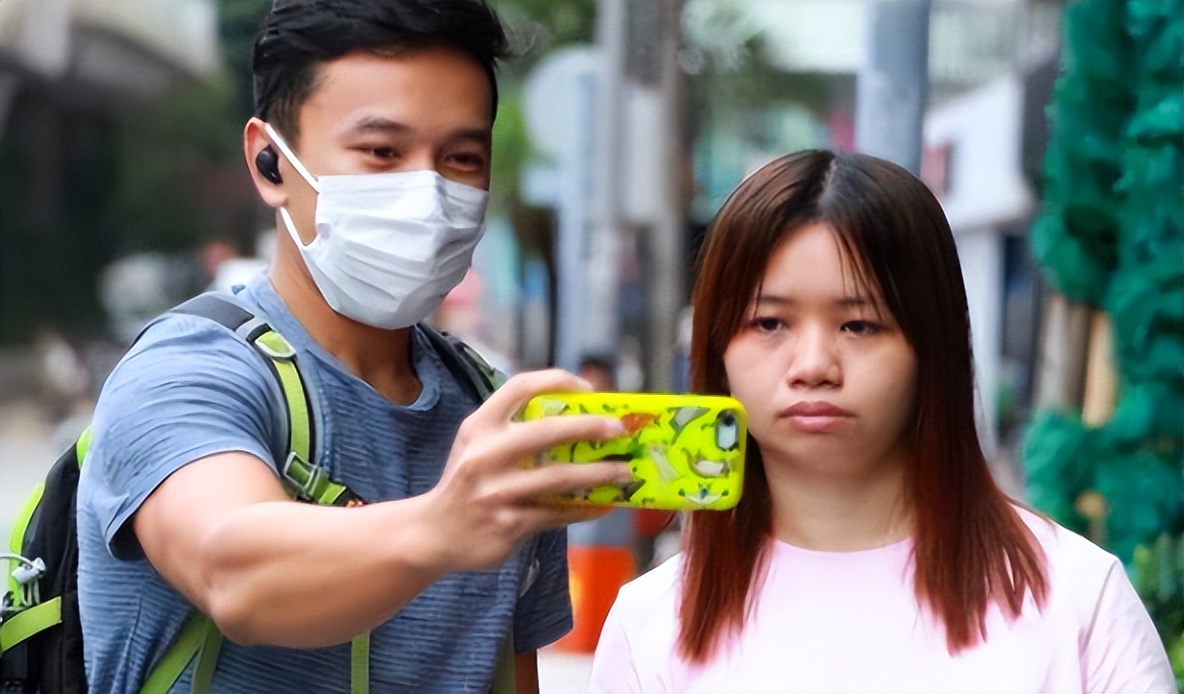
(828, 378)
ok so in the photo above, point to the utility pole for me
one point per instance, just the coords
(600, 322)
(893, 83)
(668, 231)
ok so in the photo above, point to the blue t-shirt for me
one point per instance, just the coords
(190, 388)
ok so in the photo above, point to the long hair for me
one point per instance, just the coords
(970, 545)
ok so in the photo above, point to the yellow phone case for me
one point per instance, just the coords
(686, 451)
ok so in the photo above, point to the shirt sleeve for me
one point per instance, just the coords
(544, 614)
(188, 389)
(1122, 651)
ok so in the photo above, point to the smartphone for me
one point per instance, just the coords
(686, 452)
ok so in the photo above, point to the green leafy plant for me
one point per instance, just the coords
(1111, 235)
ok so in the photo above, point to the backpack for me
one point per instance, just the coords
(40, 630)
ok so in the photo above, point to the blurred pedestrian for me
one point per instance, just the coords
(871, 550)
(371, 139)
(599, 371)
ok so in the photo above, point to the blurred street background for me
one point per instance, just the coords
(1050, 130)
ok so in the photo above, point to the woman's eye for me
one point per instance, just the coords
(860, 327)
(767, 325)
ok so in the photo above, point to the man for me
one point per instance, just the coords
(372, 141)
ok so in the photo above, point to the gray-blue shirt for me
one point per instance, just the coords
(190, 388)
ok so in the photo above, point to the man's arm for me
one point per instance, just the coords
(269, 570)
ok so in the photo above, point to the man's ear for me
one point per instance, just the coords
(263, 163)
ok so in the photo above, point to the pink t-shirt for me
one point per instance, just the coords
(849, 622)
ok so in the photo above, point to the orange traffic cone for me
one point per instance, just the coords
(596, 574)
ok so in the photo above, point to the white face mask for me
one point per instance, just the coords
(389, 246)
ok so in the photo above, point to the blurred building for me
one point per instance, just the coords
(97, 54)
(75, 75)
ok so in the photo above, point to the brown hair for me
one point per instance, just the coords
(970, 545)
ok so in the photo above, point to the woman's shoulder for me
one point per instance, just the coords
(1058, 540)
(1072, 559)
(653, 590)
(641, 629)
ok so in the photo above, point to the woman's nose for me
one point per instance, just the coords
(814, 359)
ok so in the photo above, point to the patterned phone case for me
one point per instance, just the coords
(686, 451)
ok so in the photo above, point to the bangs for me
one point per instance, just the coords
(857, 277)
(861, 279)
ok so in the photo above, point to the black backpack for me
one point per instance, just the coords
(40, 630)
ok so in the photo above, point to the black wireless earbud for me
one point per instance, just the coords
(268, 164)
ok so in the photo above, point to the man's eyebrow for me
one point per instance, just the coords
(378, 124)
(370, 124)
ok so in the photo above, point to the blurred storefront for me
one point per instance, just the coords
(75, 77)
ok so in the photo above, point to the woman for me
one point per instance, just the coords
(872, 550)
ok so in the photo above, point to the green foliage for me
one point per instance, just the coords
(1053, 486)
(165, 162)
(1111, 234)
(538, 26)
(238, 22)
(1156, 571)
(1074, 239)
(55, 185)
(511, 149)
(186, 152)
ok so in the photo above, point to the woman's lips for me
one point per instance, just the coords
(819, 417)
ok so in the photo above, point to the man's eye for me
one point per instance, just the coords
(467, 160)
(380, 152)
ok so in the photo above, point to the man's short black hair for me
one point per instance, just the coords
(299, 35)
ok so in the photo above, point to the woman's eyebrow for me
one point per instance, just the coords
(773, 299)
(858, 301)
(849, 301)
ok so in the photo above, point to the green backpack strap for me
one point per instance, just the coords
(303, 479)
(30, 622)
(199, 637)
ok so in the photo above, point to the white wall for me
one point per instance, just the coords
(984, 190)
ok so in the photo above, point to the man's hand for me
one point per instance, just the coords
(269, 570)
(491, 495)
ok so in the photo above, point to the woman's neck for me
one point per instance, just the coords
(828, 513)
